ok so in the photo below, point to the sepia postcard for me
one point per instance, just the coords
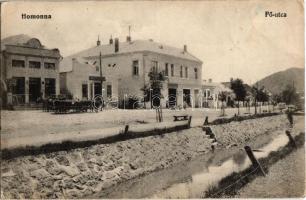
(152, 99)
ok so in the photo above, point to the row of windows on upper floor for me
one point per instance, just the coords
(33, 64)
(135, 68)
(154, 65)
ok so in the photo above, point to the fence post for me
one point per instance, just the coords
(161, 114)
(126, 129)
(156, 115)
(206, 121)
(189, 121)
(291, 140)
(253, 159)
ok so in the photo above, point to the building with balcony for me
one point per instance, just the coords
(29, 71)
(124, 68)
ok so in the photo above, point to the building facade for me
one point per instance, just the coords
(126, 67)
(29, 71)
(212, 94)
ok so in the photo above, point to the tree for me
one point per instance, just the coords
(255, 96)
(222, 97)
(276, 98)
(289, 95)
(262, 96)
(153, 89)
(248, 99)
(239, 90)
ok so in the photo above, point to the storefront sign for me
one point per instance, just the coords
(97, 78)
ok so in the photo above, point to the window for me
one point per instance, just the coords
(155, 66)
(84, 91)
(196, 73)
(172, 69)
(181, 72)
(18, 63)
(49, 65)
(34, 64)
(186, 72)
(97, 68)
(166, 69)
(109, 91)
(135, 67)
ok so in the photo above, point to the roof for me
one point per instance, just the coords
(23, 41)
(218, 87)
(129, 47)
(15, 40)
(210, 84)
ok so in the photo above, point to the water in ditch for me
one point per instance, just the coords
(191, 179)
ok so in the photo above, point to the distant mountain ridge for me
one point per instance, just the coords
(278, 81)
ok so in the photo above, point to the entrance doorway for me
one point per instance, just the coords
(18, 90)
(34, 89)
(172, 99)
(98, 89)
(49, 87)
(155, 99)
(186, 96)
(196, 98)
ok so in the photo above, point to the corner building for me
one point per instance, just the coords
(29, 71)
(126, 66)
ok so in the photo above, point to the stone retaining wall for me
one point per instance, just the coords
(85, 171)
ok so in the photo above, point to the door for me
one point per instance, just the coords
(49, 87)
(196, 98)
(186, 96)
(84, 91)
(18, 90)
(34, 89)
(109, 91)
(172, 99)
(98, 89)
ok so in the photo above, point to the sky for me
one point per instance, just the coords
(233, 38)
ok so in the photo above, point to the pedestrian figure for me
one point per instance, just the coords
(290, 117)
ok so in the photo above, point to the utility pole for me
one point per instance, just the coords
(101, 77)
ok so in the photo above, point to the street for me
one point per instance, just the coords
(18, 126)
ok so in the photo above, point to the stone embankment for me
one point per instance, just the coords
(83, 172)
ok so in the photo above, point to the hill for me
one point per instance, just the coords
(278, 81)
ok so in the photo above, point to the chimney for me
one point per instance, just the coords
(185, 48)
(116, 45)
(210, 80)
(129, 38)
(111, 41)
(98, 41)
